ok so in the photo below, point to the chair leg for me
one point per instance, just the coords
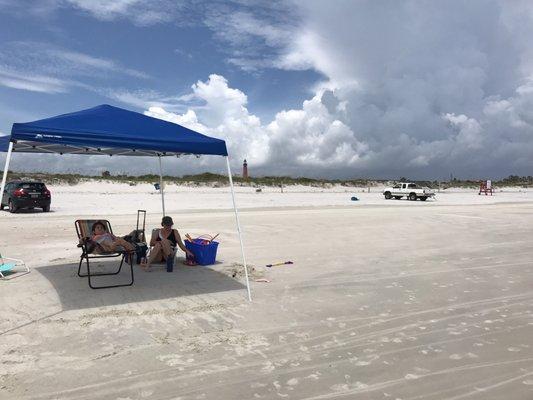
(79, 267)
(89, 275)
(101, 273)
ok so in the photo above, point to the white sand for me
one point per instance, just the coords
(386, 300)
(99, 198)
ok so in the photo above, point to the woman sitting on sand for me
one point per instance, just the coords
(107, 241)
(163, 242)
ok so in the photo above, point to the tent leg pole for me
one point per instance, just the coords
(239, 230)
(6, 168)
(161, 186)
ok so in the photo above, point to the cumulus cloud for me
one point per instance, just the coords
(429, 88)
(342, 133)
(309, 139)
(469, 130)
(409, 88)
(322, 138)
(313, 138)
(221, 112)
(421, 88)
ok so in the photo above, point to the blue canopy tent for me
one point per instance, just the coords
(108, 130)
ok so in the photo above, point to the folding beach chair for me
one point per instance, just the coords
(9, 266)
(90, 252)
(161, 263)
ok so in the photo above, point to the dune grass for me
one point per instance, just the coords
(210, 179)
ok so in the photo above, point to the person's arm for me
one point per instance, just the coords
(153, 239)
(180, 243)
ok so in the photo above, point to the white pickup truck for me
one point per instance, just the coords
(410, 190)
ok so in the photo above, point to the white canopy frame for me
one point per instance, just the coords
(37, 147)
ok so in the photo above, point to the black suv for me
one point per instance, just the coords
(22, 194)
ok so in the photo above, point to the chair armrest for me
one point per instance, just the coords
(12, 259)
(89, 245)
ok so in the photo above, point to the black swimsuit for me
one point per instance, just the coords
(171, 237)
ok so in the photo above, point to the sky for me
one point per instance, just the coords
(334, 89)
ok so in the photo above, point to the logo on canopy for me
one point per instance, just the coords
(42, 136)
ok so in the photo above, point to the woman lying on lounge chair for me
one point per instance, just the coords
(163, 243)
(108, 241)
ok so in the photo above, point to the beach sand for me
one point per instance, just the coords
(385, 299)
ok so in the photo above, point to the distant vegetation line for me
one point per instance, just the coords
(222, 180)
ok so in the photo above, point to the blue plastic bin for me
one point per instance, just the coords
(204, 254)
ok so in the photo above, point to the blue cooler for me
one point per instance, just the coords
(204, 254)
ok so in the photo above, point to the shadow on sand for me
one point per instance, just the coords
(75, 293)
(35, 210)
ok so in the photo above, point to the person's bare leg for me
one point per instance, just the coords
(167, 248)
(155, 255)
(127, 245)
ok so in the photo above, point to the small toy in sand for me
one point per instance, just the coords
(354, 198)
(279, 263)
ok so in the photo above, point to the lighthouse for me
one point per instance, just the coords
(245, 170)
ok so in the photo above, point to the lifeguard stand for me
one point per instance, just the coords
(485, 187)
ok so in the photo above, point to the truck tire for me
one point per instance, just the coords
(388, 195)
(423, 198)
(412, 196)
(47, 208)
